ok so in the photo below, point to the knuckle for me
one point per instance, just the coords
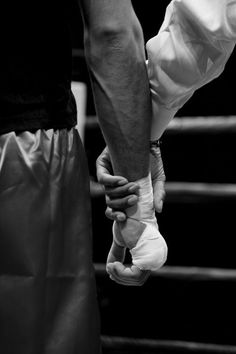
(110, 203)
(107, 199)
(109, 216)
(141, 283)
(108, 192)
(108, 212)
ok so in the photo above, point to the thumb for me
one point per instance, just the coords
(158, 195)
(118, 248)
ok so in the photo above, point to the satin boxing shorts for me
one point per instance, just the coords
(47, 286)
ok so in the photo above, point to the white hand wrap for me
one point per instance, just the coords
(150, 251)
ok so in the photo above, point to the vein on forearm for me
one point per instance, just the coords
(122, 98)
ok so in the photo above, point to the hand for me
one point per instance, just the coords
(127, 233)
(142, 237)
(158, 179)
(120, 194)
(120, 273)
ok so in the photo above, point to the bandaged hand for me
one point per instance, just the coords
(140, 235)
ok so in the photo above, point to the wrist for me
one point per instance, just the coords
(144, 209)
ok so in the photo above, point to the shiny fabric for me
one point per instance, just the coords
(47, 288)
(191, 49)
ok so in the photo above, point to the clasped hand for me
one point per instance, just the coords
(120, 196)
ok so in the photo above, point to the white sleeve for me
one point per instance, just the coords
(191, 49)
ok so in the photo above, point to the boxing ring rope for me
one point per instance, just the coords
(144, 345)
(188, 191)
(180, 192)
(209, 124)
(194, 192)
(184, 273)
(118, 344)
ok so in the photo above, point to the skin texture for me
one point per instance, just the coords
(114, 50)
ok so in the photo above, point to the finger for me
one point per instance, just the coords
(157, 169)
(140, 274)
(116, 253)
(121, 203)
(121, 191)
(120, 277)
(122, 282)
(159, 195)
(104, 171)
(103, 166)
(127, 275)
(115, 215)
(105, 178)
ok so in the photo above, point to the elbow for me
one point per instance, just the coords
(108, 35)
(109, 32)
(111, 39)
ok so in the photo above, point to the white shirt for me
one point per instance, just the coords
(191, 49)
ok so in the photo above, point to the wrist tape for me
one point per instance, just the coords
(150, 251)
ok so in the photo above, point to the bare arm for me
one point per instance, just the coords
(114, 49)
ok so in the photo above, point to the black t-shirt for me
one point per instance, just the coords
(35, 65)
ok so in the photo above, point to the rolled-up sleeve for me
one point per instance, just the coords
(191, 49)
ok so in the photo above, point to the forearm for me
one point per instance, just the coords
(116, 61)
